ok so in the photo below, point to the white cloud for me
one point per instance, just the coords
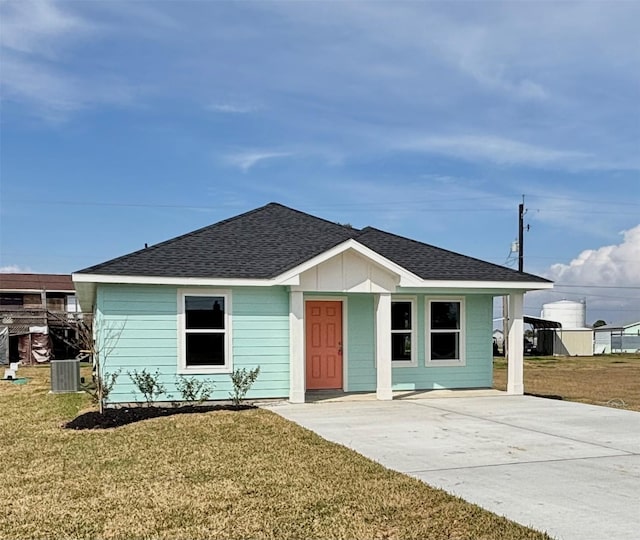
(38, 27)
(607, 277)
(617, 265)
(34, 41)
(231, 108)
(54, 93)
(246, 160)
(15, 269)
(500, 150)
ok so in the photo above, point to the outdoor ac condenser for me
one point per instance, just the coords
(65, 376)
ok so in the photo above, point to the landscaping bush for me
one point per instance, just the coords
(147, 384)
(242, 381)
(195, 390)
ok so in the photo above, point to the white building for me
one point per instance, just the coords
(613, 338)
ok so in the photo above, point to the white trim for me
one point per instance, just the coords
(297, 356)
(414, 331)
(454, 286)
(462, 335)
(345, 354)
(407, 279)
(384, 369)
(515, 353)
(178, 281)
(182, 368)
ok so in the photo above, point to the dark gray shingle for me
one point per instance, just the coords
(270, 240)
(430, 262)
(259, 244)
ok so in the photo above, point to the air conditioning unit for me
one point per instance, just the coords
(65, 376)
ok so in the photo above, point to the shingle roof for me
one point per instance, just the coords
(259, 244)
(270, 240)
(430, 262)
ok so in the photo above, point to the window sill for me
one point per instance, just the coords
(205, 370)
(403, 364)
(445, 363)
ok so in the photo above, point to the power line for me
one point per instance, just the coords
(591, 201)
(352, 207)
(632, 287)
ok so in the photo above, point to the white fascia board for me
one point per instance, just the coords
(489, 286)
(407, 279)
(179, 281)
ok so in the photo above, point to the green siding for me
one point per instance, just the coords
(477, 373)
(144, 318)
(361, 371)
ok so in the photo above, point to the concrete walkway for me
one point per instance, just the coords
(569, 469)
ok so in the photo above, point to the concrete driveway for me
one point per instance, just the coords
(569, 469)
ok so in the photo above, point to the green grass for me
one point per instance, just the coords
(608, 380)
(222, 474)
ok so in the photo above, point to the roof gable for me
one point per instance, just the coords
(274, 239)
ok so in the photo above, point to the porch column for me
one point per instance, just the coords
(383, 346)
(296, 347)
(515, 384)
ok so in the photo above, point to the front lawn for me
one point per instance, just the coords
(220, 474)
(609, 380)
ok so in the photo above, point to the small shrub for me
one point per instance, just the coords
(100, 387)
(242, 381)
(148, 384)
(195, 390)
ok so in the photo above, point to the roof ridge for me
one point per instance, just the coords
(307, 214)
(369, 228)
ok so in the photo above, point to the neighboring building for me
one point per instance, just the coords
(613, 338)
(562, 330)
(31, 305)
(315, 304)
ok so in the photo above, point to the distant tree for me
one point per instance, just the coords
(599, 323)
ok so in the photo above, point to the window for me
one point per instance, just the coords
(204, 332)
(445, 332)
(10, 300)
(403, 323)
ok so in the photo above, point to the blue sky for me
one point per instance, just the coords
(131, 122)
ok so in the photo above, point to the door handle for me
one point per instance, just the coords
(340, 347)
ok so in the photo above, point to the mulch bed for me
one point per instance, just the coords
(112, 418)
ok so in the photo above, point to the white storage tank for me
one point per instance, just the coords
(568, 313)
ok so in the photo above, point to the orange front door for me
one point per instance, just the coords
(323, 321)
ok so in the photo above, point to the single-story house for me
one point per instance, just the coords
(617, 338)
(315, 304)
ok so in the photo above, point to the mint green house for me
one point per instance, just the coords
(315, 304)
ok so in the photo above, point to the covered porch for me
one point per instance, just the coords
(355, 277)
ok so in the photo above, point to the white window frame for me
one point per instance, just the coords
(414, 332)
(183, 369)
(462, 343)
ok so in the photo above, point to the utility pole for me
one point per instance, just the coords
(521, 236)
(505, 302)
